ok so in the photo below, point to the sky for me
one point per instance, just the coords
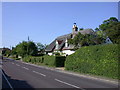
(44, 21)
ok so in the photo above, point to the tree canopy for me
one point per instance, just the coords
(26, 48)
(85, 40)
(111, 29)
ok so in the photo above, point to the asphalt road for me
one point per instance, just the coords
(22, 75)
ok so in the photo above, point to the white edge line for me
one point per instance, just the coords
(39, 73)
(7, 81)
(67, 83)
(88, 77)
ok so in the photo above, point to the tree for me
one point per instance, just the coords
(97, 29)
(40, 47)
(6, 52)
(84, 40)
(111, 29)
(32, 48)
(26, 48)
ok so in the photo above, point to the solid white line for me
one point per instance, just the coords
(39, 73)
(7, 81)
(25, 68)
(67, 84)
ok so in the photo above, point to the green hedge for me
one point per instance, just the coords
(55, 61)
(49, 60)
(60, 60)
(33, 59)
(98, 60)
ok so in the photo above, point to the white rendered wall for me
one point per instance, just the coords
(69, 52)
(50, 54)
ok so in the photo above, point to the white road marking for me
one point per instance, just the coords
(75, 74)
(7, 81)
(39, 73)
(12, 63)
(25, 68)
(17, 64)
(68, 84)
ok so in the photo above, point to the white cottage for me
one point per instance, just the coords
(60, 44)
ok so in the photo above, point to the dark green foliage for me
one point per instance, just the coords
(26, 48)
(111, 28)
(6, 52)
(57, 61)
(81, 29)
(32, 48)
(98, 60)
(85, 40)
(60, 61)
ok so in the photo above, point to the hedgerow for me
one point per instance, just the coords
(55, 61)
(98, 60)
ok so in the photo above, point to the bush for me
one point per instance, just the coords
(98, 60)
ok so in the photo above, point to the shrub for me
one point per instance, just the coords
(98, 60)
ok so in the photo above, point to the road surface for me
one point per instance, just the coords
(23, 75)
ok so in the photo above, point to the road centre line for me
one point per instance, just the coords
(7, 80)
(79, 75)
(39, 73)
(17, 64)
(25, 68)
(68, 84)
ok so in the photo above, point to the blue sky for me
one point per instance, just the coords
(44, 21)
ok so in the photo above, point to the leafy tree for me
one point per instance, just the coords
(21, 49)
(40, 47)
(85, 40)
(97, 29)
(32, 48)
(13, 52)
(26, 48)
(111, 29)
(6, 52)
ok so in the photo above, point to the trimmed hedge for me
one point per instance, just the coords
(33, 59)
(60, 60)
(55, 61)
(49, 60)
(98, 60)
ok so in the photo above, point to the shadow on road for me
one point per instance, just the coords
(16, 84)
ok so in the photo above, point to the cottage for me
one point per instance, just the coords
(60, 44)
